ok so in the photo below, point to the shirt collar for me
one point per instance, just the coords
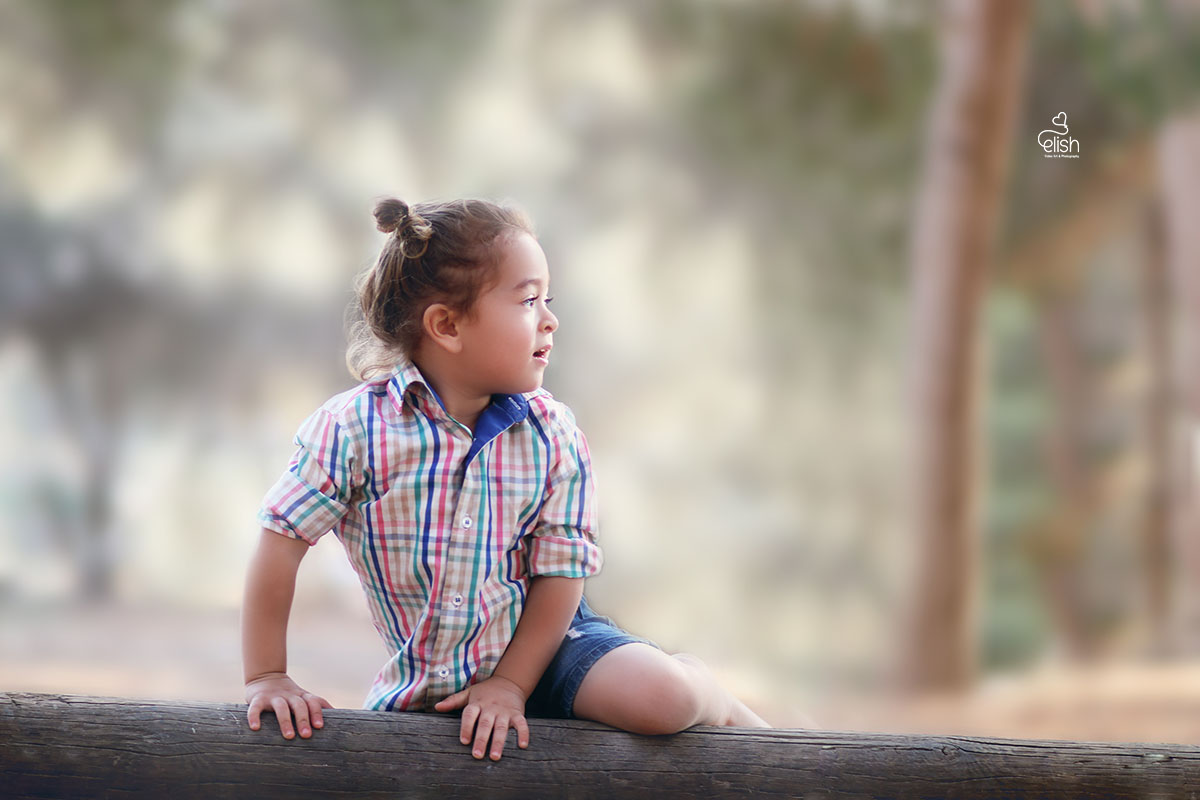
(504, 411)
(405, 377)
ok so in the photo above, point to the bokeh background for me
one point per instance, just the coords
(729, 194)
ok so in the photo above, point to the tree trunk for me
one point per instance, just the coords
(1058, 552)
(966, 166)
(1156, 550)
(1179, 150)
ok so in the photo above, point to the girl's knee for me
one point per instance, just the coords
(674, 698)
(640, 689)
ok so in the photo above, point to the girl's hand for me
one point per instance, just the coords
(275, 691)
(496, 704)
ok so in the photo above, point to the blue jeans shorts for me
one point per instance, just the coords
(590, 637)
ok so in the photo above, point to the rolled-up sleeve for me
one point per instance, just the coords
(315, 491)
(564, 542)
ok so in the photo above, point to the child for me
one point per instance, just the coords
(462, 493)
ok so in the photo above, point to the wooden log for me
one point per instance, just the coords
(79, 747)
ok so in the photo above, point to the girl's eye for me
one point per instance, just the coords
(549, 300)
(529, 301)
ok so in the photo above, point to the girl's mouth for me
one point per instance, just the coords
(542, 355)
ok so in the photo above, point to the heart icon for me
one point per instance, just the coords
(1060, 119)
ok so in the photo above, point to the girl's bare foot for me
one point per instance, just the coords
(741, 716)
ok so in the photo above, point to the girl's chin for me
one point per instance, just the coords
(525, 388)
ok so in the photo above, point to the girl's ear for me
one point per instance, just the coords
(441, 324)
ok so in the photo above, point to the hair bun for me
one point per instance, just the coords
(391, 214)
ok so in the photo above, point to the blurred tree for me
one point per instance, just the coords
(966, 165)
(798, 126)
(118, 336)
(802, 124)
(1180, 161)
(1058, 547)
(1120, 71)
(1156, 540)
(115, 351)
(64, 301)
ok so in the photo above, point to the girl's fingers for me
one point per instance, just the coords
(283, 713)
(315, 704)
(456, 700)
(522, 728)
(468, 724)
(300, 710)
(254, 713)
(483, 732)
(499, 734)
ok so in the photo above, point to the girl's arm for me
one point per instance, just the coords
(499, 701)
(548, 611)
(270, 585)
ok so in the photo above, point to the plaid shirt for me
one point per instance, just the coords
(444, 528)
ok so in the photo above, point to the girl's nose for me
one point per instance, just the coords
(550, 323)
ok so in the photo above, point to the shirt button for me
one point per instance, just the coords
(443, 673)
(466, 522)
(457, 600)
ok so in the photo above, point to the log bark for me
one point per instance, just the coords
(80, 747)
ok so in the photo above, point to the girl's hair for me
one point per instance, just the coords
(436, 253)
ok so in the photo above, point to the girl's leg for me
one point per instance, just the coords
(638, 688)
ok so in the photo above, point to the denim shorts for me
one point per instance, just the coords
(590, 637)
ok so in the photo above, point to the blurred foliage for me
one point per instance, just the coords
(412, 52)
(1119, 71)
(1018, 412)
(808, 126)
(414, 32)
(1142, 59)
(116, 58)
(1118, 75)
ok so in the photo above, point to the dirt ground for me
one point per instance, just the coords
(172, 653)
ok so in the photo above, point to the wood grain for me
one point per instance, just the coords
(79, 747)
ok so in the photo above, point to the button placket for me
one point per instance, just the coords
(456, 583)
(458, 580)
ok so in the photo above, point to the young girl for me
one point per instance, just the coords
(462, 493)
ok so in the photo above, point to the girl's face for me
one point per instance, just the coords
(507, 337)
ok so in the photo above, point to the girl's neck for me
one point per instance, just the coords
(464, 406)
